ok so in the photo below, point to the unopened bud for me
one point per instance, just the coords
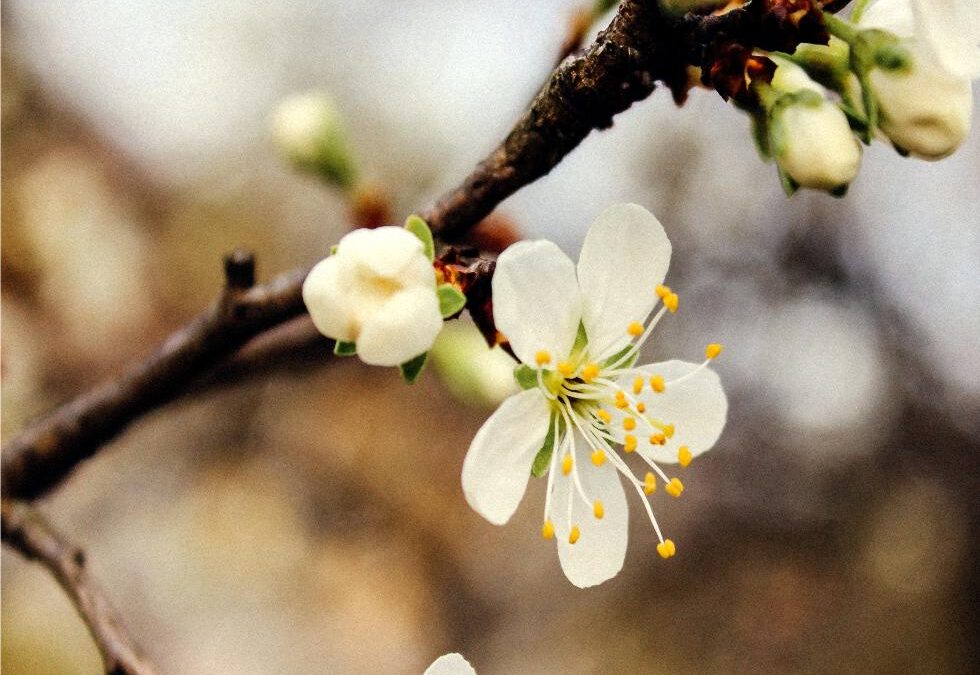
(308, 129)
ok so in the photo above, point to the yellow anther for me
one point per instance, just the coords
(542, 357)
(713, 350)
(620, 395)
(666, 549)
(662, 291)
(574, 534)
(657, 383)
(590, 372)
(566, 464)
(668, 430)
(670, 302)
(649, 483)
(598, 509)
(565, 368)
(622, 403)
(629, 423)
(684, 455)
(635, 329)
(548, 529)
(629, 443)
(658, 439)
(604, 415)
(598, 456)
(638, 385)
(675, 487)
(641, 407)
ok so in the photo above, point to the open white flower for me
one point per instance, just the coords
(926, 104)
(580, 331)
(377, 290)
(450, 664)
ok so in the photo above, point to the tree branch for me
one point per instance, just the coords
(584, 93)
(26, 530)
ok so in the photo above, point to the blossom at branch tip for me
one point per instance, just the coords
(924, 94)
(377, 290)
(809, 136)
(450, 664)
(586, 407)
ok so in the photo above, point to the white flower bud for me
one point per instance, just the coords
(308, 129)
(810, 138)
(925, 105)
(379, 291)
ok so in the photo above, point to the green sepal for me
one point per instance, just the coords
(333, 250)
(581, 340)
(790, 186)
(543, 459)
(760, 133)
(628, 363)
(413, 368)
(420, 229)
(341, 348)
(451, 300)
(840, 191)
(526, 376)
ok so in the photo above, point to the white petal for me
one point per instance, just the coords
(599, 553)
(536, 301)
(385, 251)
(697, 407)
(450, 664)
(894, 16)
(950, 29)
(403, 327)
(326, 295)
(498, 463)
(625, 255)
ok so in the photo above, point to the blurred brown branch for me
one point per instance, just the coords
(584, 93)
(27, 531)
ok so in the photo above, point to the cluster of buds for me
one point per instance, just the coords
(901, 70)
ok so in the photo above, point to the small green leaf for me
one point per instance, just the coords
(526, 376)
(451, 300)
(412, 369)
(342, 348)
(420, 229)
(543, 459)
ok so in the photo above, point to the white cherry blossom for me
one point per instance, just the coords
(450, 664)
(578, 332)
(377, 290)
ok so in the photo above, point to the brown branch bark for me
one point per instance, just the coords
(26, 530)
(583, 93)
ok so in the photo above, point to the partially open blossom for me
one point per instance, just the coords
(309, 131)
(450, 664)
(810, 138)
(587, 412)
(377, 290)
(925, 100)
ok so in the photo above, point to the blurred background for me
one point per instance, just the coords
(310, 520)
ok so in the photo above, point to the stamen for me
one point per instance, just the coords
(543, 357)
(638, 385)
(629, 443)
(657, 383)
(548, 530)
(674, 488)
(562, 442)
(604, 415)
(662, 291)
(649, 483)
(684, 456)
(565, 368)
(666, 549)
(635, 329)
(641, 407)
(713, 350)
(590, 372)
(598, 509)
(668, 430)
(629, 423)
(657, 439)
(598, 457)
(622, 403)
(671, 301)
(566, 464)
(574, 534)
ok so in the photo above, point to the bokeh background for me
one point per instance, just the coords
(310, 520)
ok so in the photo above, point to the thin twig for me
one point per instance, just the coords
(27, 531)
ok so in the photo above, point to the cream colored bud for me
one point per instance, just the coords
(308, 129)
(814, 145)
